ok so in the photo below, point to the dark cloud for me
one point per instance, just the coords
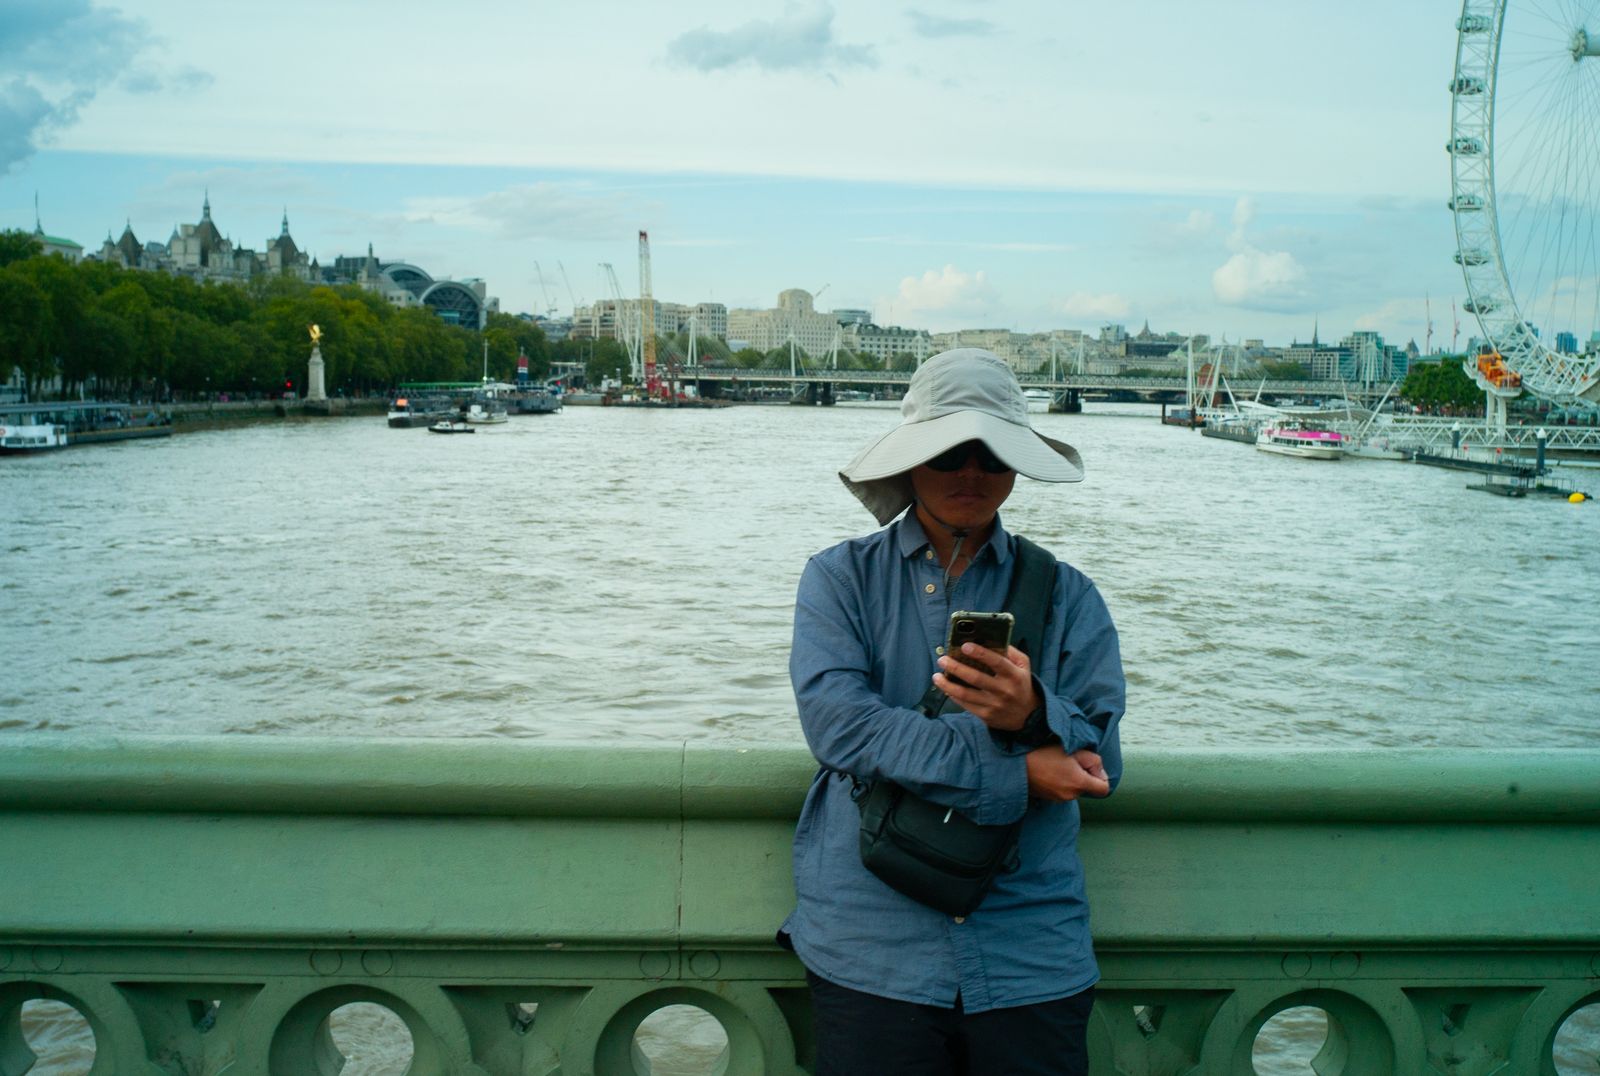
(57, 54)
(803, 39)
(927, 25)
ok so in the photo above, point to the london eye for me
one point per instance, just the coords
(1525, 193)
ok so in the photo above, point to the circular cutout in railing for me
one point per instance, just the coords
(1287, 1043)
(680, 1040)
(1576, 1049)
(372, 1038)
(59, 1036)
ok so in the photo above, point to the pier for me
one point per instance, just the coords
(522, 907)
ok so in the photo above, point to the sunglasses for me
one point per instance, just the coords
(953, 459)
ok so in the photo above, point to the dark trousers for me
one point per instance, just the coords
(865, 1035)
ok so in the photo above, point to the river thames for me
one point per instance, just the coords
(609, 574)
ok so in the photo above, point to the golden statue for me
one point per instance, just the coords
(316, 335)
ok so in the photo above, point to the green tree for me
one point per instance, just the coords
(17, 246)
(25, 329)
(1441, 386)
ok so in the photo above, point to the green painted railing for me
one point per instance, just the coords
(207, 904)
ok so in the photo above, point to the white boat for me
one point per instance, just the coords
(1292, 439)
(486, 413)
(23, 433)
(445, 425)
(40, 427)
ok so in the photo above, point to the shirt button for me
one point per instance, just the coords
(938, 650)
(961, 919)
(929, 588)
(928, 555)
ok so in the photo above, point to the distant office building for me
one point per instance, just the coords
(795, 317)
(882, 343)
(1567, 343)
(1112, 333)
(852, 317)
(459, 302)
(610, 319)
(1010, 346)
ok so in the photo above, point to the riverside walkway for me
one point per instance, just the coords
(522, 907)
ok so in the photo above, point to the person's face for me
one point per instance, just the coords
(968, 497)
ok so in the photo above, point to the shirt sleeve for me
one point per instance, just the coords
(1084, 706)
(950, 759)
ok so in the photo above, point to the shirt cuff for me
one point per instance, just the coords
(1005, 789)
(1068, 723)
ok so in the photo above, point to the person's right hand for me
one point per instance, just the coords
(1056, 776)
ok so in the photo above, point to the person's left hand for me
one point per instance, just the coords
(997, 688)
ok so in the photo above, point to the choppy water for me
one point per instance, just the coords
(620, 573)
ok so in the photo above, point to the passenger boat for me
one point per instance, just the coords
(410, 411)
(446, 425)
(485, 412)
(39, 427)
(1292, 439)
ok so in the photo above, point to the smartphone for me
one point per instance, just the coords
(992, 630)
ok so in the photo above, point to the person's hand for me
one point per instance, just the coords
(1056, 776)
(997, 688)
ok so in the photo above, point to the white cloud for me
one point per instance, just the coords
(532, 211)
(1256, 279)
(1198, 222)
(1090, 307)
(802, 39)
(947, 291)
(1260, 280)
(57, 55)
(927, 25)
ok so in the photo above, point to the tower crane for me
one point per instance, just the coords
(647, 319)
(622, 324)
(568, 283)
(544, 286)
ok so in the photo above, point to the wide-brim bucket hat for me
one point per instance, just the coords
(967, 394)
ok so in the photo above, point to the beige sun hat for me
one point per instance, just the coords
(967, 394)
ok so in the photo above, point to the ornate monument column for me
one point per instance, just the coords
(315, 391)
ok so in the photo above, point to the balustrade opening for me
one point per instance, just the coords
(680, 1040)
(1288, 1043)
(371, 1038)
(58, 1036)
(1576, 1047)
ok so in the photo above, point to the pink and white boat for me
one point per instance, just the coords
(1292, 439)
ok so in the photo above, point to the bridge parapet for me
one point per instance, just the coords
(523, 907)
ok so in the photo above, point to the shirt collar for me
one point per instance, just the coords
(911, 539)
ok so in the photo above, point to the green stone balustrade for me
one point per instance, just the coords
(205, 904)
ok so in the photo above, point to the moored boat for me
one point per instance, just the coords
(485, 412)
(411, 411)
(37, 427)
(1292, 439)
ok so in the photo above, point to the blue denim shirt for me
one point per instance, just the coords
(869, 618)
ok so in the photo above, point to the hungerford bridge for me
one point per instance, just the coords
(1067, 390)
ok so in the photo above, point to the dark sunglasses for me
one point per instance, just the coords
(953, 459)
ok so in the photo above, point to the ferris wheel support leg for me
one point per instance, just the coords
(1495, 412)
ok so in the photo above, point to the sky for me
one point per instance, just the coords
(1243, 169)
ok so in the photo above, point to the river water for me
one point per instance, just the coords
(614, 573)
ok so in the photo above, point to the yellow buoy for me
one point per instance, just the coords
(1576, 498)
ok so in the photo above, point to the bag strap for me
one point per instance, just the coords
(1033, 585)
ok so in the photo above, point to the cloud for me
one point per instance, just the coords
(1261, 280)
(1083, 305)
(1198, 222)
(184, 80)
(802, 39)
(57, 54)
(942, 291)
(1255, 279)
(541, 210)
(933, 26)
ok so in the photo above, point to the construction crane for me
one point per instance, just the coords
(647, 319)
(568, 283)
(544, 286)
(622, 324)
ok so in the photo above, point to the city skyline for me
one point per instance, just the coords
(1194, 200)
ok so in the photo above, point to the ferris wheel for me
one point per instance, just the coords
(1525, 192)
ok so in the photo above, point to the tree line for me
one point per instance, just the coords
(95, 328)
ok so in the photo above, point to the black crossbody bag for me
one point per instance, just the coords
(932, 853)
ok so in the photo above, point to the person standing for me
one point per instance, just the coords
(897, 986)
